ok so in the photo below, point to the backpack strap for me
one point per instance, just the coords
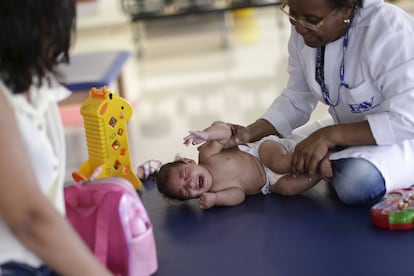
(102, 226)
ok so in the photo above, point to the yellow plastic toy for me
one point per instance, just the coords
(105, 115)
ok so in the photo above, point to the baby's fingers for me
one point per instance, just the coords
(199, 137)
(195, 138)
(188, 139)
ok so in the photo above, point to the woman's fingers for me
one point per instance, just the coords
(311, 165)
(306, 160)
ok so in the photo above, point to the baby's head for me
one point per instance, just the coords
(183, 179)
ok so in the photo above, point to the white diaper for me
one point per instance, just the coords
(253, 149)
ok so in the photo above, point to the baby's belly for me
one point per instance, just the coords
(253, 176)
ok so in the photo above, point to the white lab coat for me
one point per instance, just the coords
(379, 69)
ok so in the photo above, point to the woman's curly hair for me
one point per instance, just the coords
(35, 35)
(343, 3)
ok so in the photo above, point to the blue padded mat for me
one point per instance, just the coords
(309, 234)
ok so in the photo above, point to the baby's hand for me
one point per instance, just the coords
(207, 200)
(195, 138)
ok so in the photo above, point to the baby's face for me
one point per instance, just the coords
(189, 180)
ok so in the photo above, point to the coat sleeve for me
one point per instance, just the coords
(295, 104)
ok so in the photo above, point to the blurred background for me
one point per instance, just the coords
(186, 71)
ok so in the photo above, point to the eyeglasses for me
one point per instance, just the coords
(311, 26)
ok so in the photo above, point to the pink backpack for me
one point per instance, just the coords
(110, 217)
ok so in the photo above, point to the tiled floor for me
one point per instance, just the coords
(186, 80)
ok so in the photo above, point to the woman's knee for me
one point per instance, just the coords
(357, 181)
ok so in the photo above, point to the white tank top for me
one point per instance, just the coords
(39, 121)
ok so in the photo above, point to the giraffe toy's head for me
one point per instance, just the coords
(101, 102)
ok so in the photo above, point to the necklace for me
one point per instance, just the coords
(319, 72)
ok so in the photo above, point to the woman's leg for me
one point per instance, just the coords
(357, 181)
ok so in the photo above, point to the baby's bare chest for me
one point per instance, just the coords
(236, 169)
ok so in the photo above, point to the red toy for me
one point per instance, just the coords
(395, 211)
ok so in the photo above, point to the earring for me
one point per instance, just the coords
(347, 21)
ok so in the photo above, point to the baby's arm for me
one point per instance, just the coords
(215, 136)
(228, 197)
(219, 132)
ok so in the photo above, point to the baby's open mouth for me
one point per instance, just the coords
(200, 182)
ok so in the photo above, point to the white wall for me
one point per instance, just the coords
(101, 13)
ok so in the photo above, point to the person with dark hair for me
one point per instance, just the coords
(223, 177)
(35, 237)
(357, 57)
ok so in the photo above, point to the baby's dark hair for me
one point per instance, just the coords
(35, 36)
(162, 176)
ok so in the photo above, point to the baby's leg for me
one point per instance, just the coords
(275, 157)
(289, 185)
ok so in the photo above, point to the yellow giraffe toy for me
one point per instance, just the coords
(105, 115)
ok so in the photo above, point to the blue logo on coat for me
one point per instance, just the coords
(363, 106)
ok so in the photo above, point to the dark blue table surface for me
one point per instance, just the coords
(309, 234)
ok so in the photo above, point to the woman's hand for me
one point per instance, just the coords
(309, 153)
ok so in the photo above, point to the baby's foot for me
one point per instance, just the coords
(326, 169)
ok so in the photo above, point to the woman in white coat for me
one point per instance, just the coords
(357, 56)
